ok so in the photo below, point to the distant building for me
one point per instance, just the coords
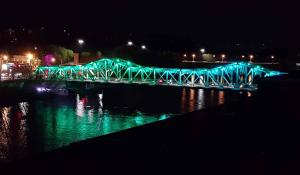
(34, 62)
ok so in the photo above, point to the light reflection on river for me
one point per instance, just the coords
(45, 124)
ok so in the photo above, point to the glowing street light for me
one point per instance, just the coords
(251, 57)
(80, 41)
(184, 55)
(272, 57)
(5, 57)
(143, 47)
(53, 60)
(129, 43)
(202, 51)
(223, 56)
(193, 56)
(243, 56)
(29, 57)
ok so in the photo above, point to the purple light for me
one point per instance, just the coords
(39, 89)
(48, 59)
(42, 89)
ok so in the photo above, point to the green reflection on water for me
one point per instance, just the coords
(61, 125)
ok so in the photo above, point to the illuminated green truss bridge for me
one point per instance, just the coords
(233, 76)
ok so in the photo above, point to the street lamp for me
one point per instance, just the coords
(272, 57)
(77, 55)
(243, 56)
(129, 43)
(202, 51)
(80, 41)
(223, 56)
(251, 57)
(53, 60)
(5, 57)
(193, 56)
(143, 47)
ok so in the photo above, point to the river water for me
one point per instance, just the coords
(39, 124)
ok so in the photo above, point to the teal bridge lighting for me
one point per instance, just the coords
(238, 75)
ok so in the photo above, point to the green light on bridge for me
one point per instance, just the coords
(232, 76)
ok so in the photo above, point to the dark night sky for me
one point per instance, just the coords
(209, 23)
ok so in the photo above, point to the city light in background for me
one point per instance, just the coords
(5, 57)
(251, 57)
(29, 57)
(143, 47)
(202, 50)
(223, 56)
(80, 41)
(193, 56)
(129, 43)
(4, 67)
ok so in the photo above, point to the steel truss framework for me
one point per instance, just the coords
(235, 76)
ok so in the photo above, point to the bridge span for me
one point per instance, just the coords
(240, 75)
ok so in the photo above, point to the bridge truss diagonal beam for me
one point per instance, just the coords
(238, 75)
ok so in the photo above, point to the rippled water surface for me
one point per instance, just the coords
(38, 124)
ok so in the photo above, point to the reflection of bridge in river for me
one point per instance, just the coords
(233, 76)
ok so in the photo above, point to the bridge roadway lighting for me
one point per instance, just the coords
(272, 57)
